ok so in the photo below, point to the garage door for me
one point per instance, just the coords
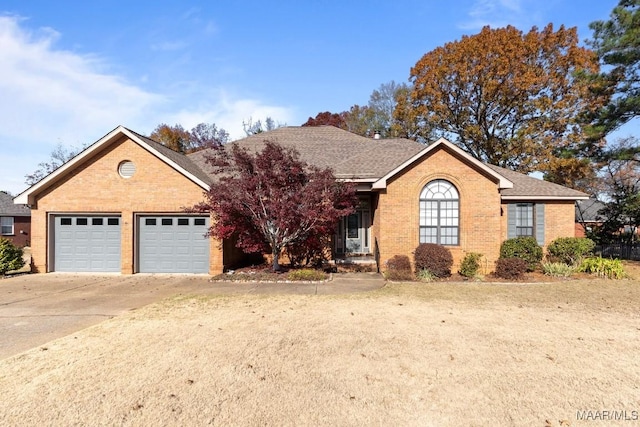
(173, 244)
(87, 243)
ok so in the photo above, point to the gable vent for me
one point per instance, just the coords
(126, 169)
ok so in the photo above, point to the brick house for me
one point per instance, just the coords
(15, 221)
(119, 205)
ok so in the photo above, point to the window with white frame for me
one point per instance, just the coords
(6, 225)
(524, 219)
(440, 213)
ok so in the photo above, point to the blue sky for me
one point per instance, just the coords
(71, 71)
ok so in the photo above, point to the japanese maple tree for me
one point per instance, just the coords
(272, 200)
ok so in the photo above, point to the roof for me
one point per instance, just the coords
(350, 156)
(589, 211)
(8, 208)
(529, 188)
(178, 161)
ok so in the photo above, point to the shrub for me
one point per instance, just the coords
(425, 276)
(511, 268)
(569, 250)
(603, 267)
(10, 257)
(525, 248)
(558, 269)
(435, 258)
(307, 274)
(470, 264)
(399, 268)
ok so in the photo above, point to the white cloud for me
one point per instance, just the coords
(497, 13)
(51, 96)
(229, 113)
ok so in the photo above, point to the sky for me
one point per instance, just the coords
(71, 71)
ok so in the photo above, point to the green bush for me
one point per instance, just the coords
(558, 269)
(435, 258)
(470, 264)
(511, 268)
(525, 248)
(399, 268)
(307, 274)
(425, 276)
(10, 257)
(569, 250)
(603, 267)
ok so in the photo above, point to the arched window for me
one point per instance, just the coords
(439, 213)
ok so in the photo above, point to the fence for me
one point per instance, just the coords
(619, 250)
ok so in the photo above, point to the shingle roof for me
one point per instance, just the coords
(180, 159)
(525, 186)
(347, 154)
(8, 208)
(351, 156)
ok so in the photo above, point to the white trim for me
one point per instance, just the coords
(502, 181)
(534, 198)
(27, 198)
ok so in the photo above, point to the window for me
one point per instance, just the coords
(167, 221)
(439, 213)
(113, 221)
(149, 221)
(65, 221)
(82, 221)
(524, 219)
(97, 221)
(183, 221)
(199, 221)
(6, 225)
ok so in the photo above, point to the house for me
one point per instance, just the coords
(120, 204)
(588, 216)
(15, 221)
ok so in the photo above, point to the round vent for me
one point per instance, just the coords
(126, 169)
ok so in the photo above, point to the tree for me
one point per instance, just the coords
(177, 138)
(59, 156)
(617, 42)
(174, 137)
(251, 128)
(10, 256)
(327, 118)
(273, 200)
(621, 181)
(508, 98)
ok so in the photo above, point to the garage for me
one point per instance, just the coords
(86, 243)
(173, 244)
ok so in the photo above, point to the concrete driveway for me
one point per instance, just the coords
(38, 308)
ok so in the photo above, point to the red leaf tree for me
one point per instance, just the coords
(273, 200)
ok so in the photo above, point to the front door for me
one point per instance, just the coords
(356, 232)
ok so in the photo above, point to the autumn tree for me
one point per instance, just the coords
(508, 98)
(621, 191)
(272, 200)
(203, 135)
(327, 118)
(59, 156)
(617, 42)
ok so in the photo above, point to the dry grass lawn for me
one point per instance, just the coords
(410, 354)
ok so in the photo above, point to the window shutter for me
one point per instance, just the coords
(539, 227)
(511, 220)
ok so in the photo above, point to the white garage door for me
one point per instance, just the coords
(86, 243)
(173, 244)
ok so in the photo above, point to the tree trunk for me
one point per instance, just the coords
(276, 257)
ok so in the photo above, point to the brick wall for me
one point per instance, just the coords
(483, 218)
(396, 222)
(96, 186)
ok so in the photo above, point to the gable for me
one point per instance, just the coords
(455, 153)
(176, 161)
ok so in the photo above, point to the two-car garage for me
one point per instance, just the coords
(162, 243)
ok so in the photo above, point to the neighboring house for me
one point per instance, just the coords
(15, 221)
(588, 216)
(119, 205)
